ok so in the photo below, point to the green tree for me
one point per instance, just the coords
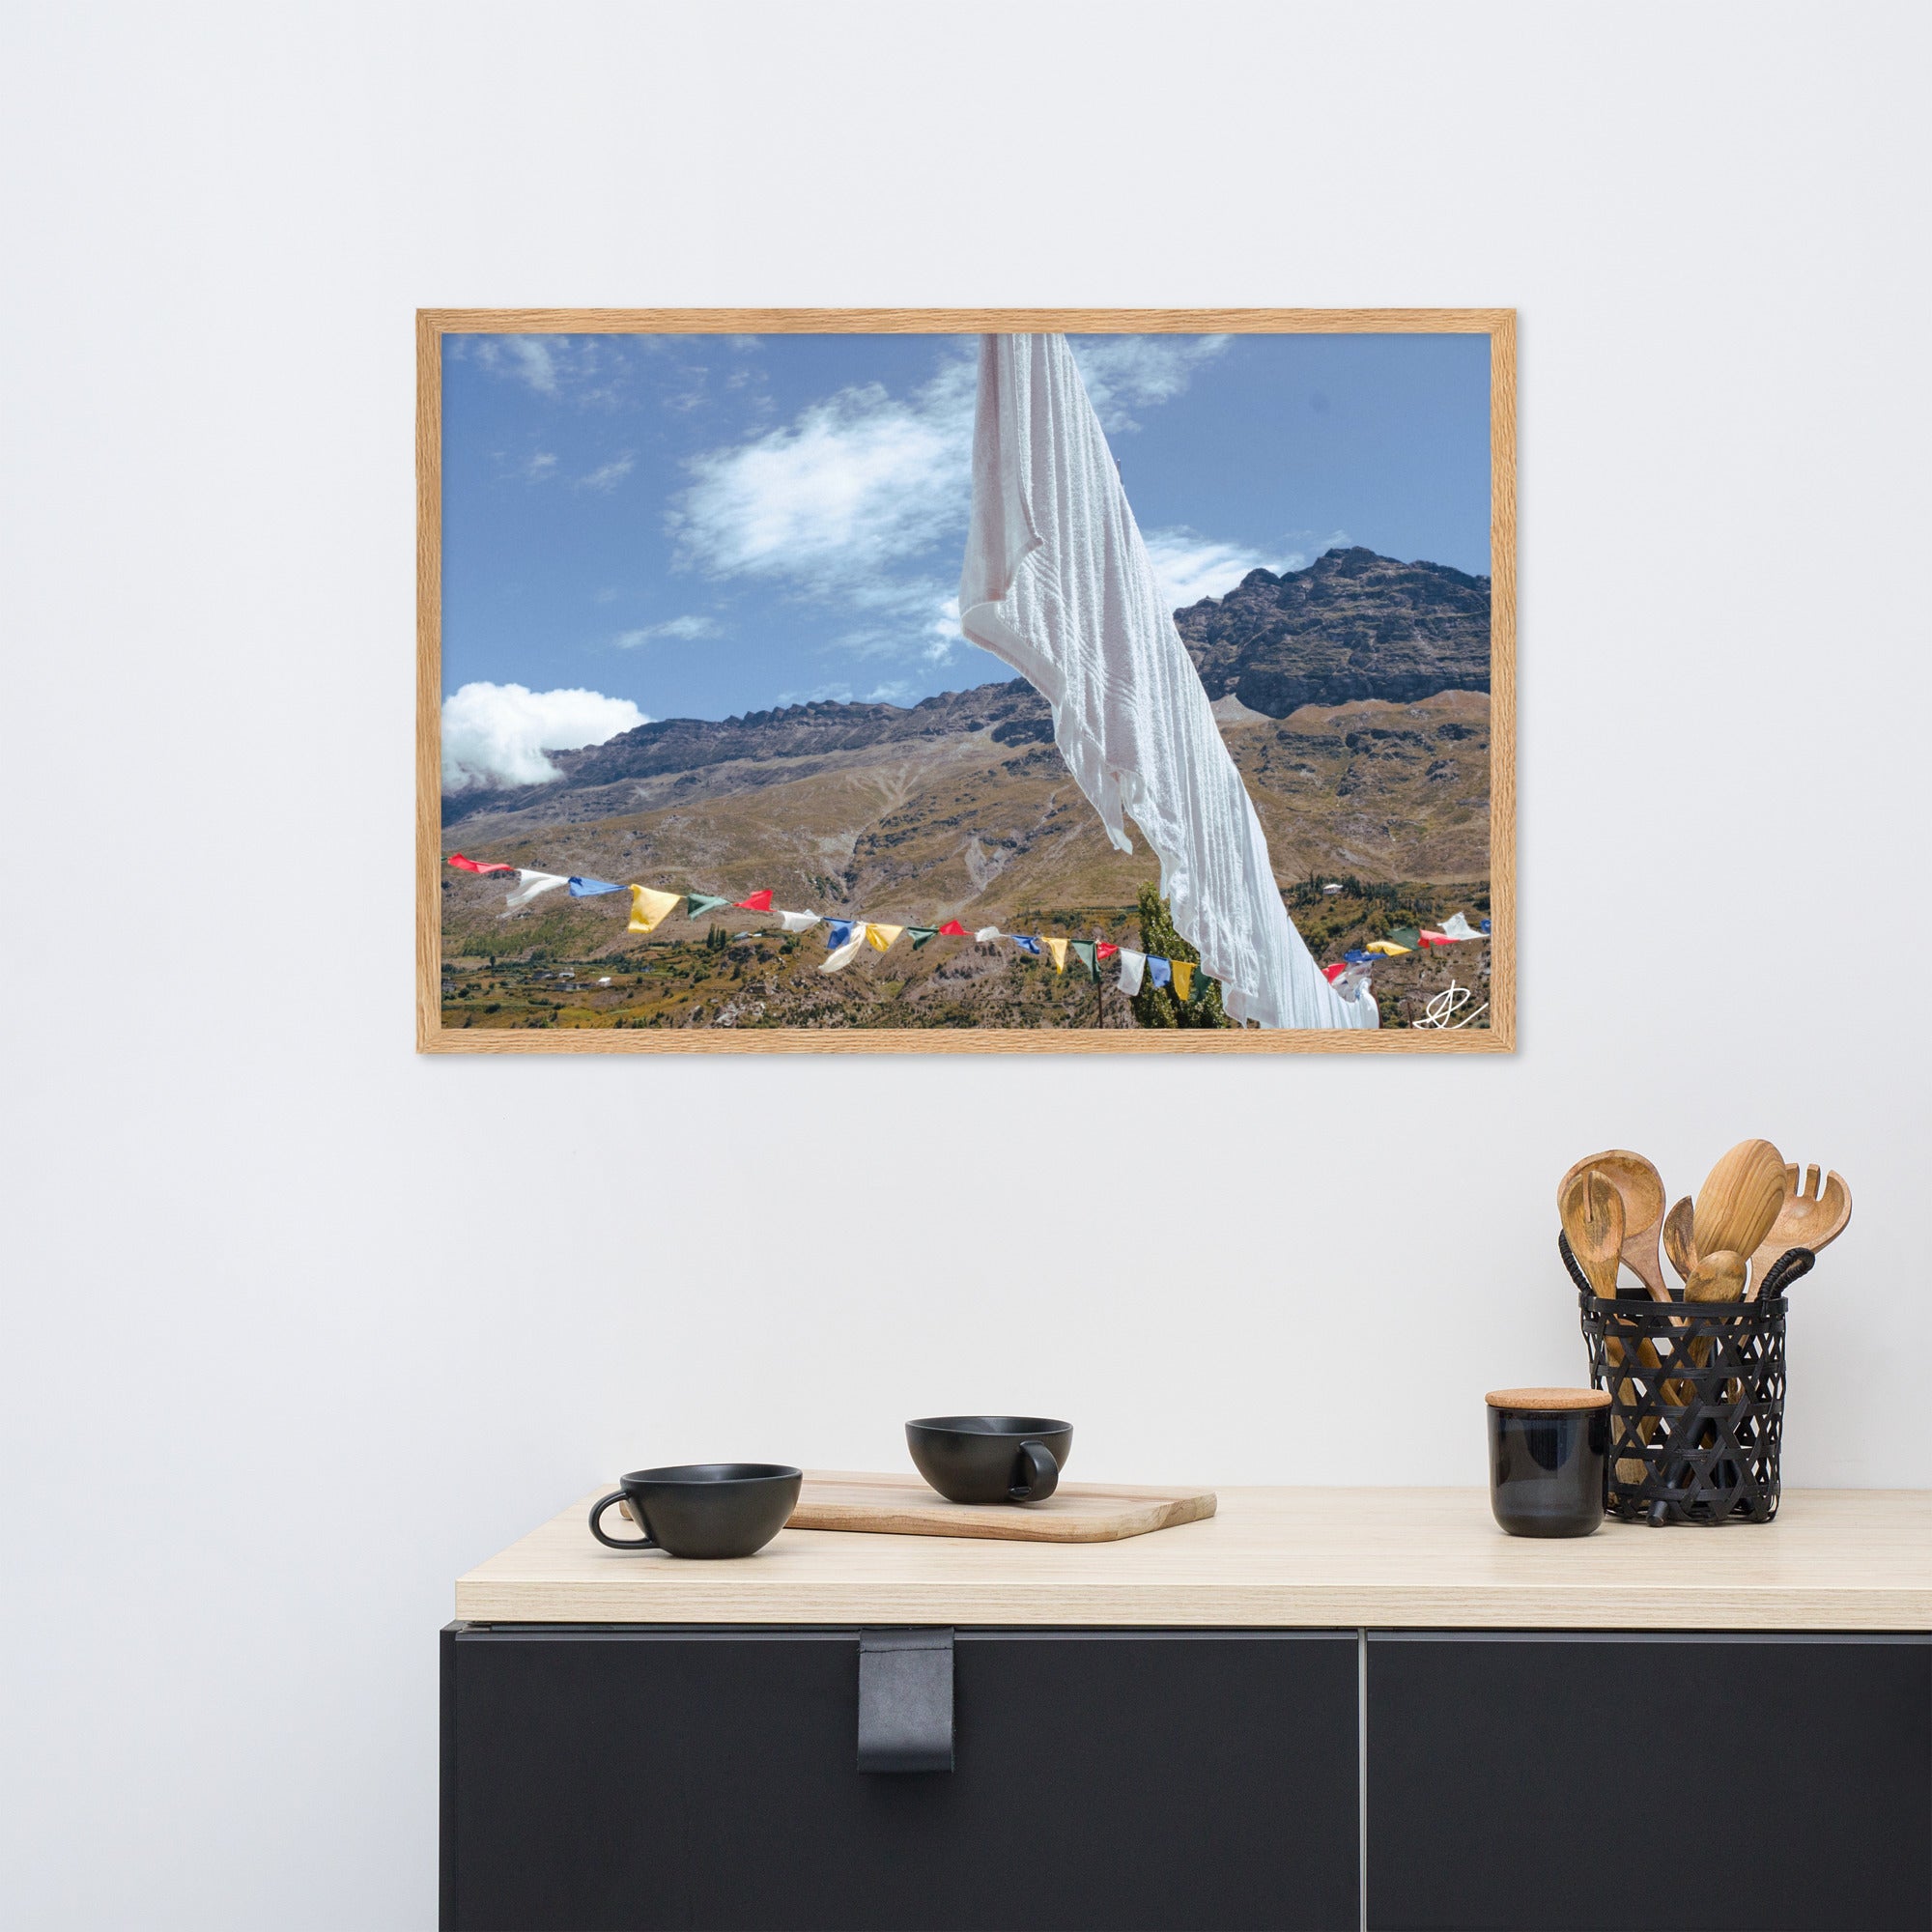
(1155, 1005)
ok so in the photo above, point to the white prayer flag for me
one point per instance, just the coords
(530, 885)
(1058, 583)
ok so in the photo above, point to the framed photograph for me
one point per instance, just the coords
(966, 681)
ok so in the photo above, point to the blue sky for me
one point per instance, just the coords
(652, 526)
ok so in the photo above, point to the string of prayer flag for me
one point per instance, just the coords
(845, 938)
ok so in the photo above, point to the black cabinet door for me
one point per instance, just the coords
(1622, 1783)
(604, 1778)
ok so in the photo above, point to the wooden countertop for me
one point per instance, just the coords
(1835, 1559)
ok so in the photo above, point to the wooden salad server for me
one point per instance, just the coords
(1809, 1216)
(1641, 1187)
(1592, 1212)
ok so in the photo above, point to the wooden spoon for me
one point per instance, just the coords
(1680, 1238)
(1641, 1187)
(1593, 1218)
(1717, 1277)
(1809, 1216)
(1738, 1200)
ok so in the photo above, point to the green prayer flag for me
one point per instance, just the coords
(698, 905)
(1409, 936)
(1083, 951)
(1197, 992)
(919, 934)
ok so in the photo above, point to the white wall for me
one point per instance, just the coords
(299, 1326)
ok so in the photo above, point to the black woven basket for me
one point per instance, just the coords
(1696, 1398)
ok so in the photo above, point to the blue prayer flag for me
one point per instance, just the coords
(585, 889)
(838, 932)
(1486, 926)
(1359, 958)
(1159, 971)
(1025, 944)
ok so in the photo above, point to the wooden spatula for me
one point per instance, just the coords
(1740, 1199)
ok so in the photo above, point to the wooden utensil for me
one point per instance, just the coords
(1809, 1216)
(1641, 1188)
(1738, 1200)
(1680, 1240)
(1717, 1277)
(1593, 1222)
(1592, 1211)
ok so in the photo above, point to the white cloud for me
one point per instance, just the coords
(853, 485)
(496, 734)
(684, 628)
(1191, 566)
(540, 468)
(610, 474)
(1127, 372)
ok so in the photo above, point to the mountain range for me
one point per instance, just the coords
(961, 807)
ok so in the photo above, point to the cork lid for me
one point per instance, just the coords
(1548, 1401)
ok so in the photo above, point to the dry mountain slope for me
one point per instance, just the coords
(962, 808)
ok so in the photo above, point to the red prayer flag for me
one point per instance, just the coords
(1437, 939)
(463, 864)
(953, 929)
(1333, 973)
(1107, 948)
(757, 903)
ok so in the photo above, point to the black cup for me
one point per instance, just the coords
(1548, 1459)
(990, 1459)
(703, 1508)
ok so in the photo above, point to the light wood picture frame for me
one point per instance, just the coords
(440, 332)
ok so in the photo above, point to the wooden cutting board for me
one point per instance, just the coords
(1076, 1512)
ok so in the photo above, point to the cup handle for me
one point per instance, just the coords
(597, 1510)
(1041, 1474)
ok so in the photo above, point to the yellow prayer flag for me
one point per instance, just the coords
(1387, 947)
(1058, 948)
(882, 936)
(649, 910)
(1184, 978)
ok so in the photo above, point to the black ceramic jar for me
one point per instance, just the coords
(1549, 1458)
